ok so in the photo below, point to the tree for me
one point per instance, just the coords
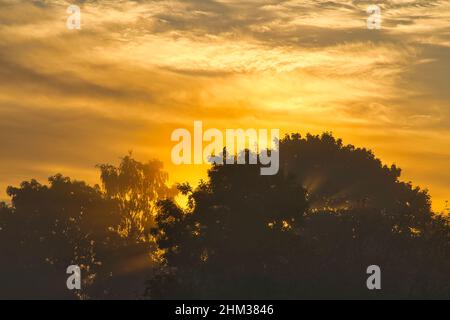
(136, 187)
(52, 227)
(67, 222)
(309, 232)
(222, 235)
(341, 176)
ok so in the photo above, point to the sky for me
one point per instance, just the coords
(137, 70)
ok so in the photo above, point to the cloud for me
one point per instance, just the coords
(138, 69)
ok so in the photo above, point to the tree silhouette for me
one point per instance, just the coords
(52, 227)
(49, 227)
(345, 177)
(309, 232)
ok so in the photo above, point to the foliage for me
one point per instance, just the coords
(309, 232)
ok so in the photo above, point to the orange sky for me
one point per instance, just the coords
(70, 99)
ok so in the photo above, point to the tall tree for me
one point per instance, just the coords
(136, 187)
(67, 222)
(50, 227)
(309, 232)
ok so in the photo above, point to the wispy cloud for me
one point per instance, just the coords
(138, 68)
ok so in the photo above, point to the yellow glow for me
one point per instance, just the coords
(72, 99)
